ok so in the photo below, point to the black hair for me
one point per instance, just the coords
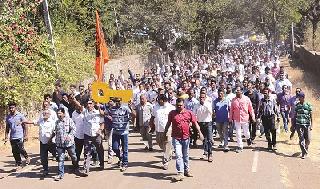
(179, 100)
(47, 96)
(12, 104)
(61, 109)
(163, 98)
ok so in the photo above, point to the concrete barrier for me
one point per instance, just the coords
(309, 60)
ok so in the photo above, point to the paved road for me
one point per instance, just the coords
(253, 168)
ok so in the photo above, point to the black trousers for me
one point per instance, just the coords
(89, 143)
(252, 129)
(268, 123)
(44, 149)
(194, 135)
(17, 146)
(79, 146)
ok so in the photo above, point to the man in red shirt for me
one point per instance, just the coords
(180, 120)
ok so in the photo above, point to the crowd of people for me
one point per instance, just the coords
(227, 95)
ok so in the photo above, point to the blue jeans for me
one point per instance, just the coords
(122, 140)
(206, 130)
(72, 153)
(285, 118)
(181, 147)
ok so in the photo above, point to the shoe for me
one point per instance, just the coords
(249, 142)
(83, 173)
(165, 167)
(27, 161)
(119, 163)
(109, 161)
(58, 178)
(226, 149)
(18, 167)
(101, 168)
(178, 178)
(274, 147)
(146, 148)
(269, 147)
(150, 149)
(210, 158)
(238, 150)
(124, 168)
(45, 173)
(188, 174)
(204, 156)
(221, 145)
(94, 163)
(291, 135)
(303, 156)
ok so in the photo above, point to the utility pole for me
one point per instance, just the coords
(117, 25)
(274, 23)
(292, 36)
(49, 30)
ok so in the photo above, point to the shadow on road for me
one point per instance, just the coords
(156, 176)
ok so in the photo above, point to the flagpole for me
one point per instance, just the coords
(47, 19)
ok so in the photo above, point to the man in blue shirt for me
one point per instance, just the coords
(16, 126)
(120, 117)
(221, 108)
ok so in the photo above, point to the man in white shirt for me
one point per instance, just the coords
(281, 82)
(53, 114)
(77, 117)
(138, 93)
(158, 123)
(203, 111)
(46, 128)
(93, 126)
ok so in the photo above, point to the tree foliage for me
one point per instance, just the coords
(25, 69)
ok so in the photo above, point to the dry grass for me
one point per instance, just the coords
(309, 83)
(33, 140)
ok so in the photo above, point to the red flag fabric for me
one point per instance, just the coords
(102, 56)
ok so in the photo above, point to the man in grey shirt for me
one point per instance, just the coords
(143, 115)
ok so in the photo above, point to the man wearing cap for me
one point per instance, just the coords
(120, 116)
(93, 124)
(292, 105)
(304, 121)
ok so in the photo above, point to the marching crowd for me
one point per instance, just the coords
(236, 90)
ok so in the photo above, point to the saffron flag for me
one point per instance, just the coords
(102, 56)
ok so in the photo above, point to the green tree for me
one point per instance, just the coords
(25, 69)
